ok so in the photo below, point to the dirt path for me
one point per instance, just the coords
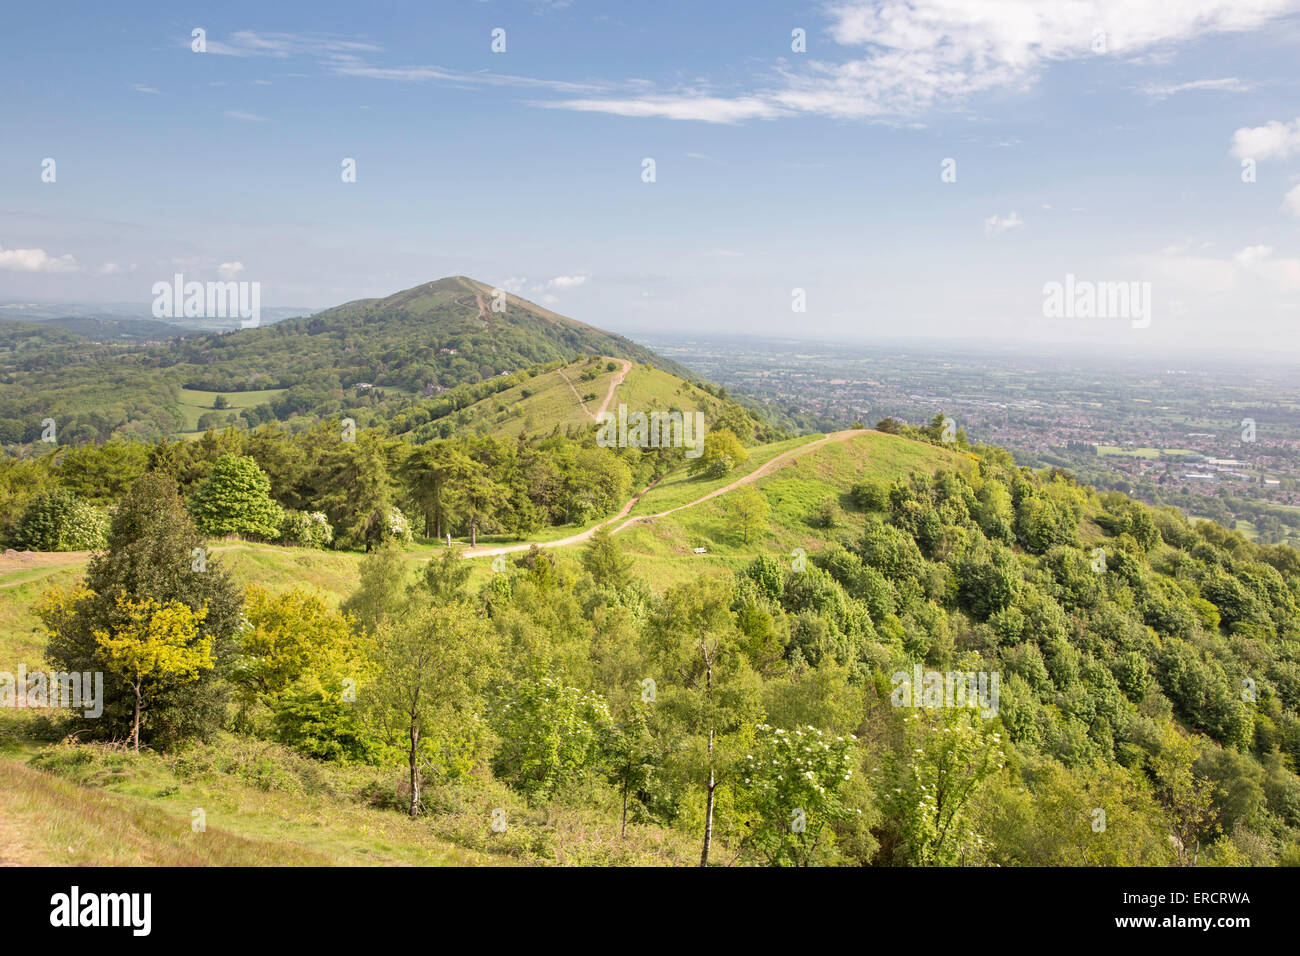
(487, 552)
(585, 410)
(614, 383)
(760, 472)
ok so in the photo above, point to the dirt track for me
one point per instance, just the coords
(761, 472)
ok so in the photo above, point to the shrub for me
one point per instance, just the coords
(60, 521)
(306, 529)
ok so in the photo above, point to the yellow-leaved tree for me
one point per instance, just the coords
(160, 644)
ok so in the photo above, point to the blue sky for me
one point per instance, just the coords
(1099, 138)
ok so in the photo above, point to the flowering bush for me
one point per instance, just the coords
(306, 529)
(60, 521)
(397, 527)
(794, 781)
(928, 783)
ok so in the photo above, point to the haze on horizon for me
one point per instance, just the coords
(1109, 142)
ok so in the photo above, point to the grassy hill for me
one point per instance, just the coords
(265, 805)
(412, 344)
(572, 396)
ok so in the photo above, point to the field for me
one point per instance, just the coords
(195, 402)
(1151, 453)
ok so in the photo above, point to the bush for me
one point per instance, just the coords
(60, 521)
(306, 529)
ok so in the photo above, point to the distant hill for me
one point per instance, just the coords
(372, 358)
(440, 334)
(118, 330)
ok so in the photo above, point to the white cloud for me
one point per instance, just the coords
(996, 225)
(1260, 261)
(513, 284)
(926, 54)
(36, 260)
(228, 271)
(708, 109)
(566, 282)
(281, 45)
(1273, 140)
(1292, 201)
(1252, 275)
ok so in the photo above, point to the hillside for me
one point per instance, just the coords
(390, 354)
(575, 394)
(873, 554)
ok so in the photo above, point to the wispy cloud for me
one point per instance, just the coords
(935, 54)
(1227, 84)
(244, 117)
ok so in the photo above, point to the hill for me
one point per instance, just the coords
(99, 378)
(1121, 636)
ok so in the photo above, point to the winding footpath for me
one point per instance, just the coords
(762, 471)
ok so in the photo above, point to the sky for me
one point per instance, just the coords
(924, 169)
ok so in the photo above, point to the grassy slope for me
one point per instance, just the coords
(551, 401)
(664, 548)
(113, 808)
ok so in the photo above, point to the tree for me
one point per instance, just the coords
(353, 488)
(608, 565)
(446, 577)
(712, 691)
(632, 757)
(235, 498)
(153, 552)
(382, 594)
(748, 509)
(291, 635)
(431, 473)
(156, 644)
(431, 672)
(1188, 797)
(794, 782)
(551, 734)
(482, 498)
(944, 757)
(722, 452)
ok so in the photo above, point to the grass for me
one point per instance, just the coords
(663, 548)
(678, 488)
(262, 805)
(195, 402)
(550, 401)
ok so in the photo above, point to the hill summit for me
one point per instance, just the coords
(433, 336)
